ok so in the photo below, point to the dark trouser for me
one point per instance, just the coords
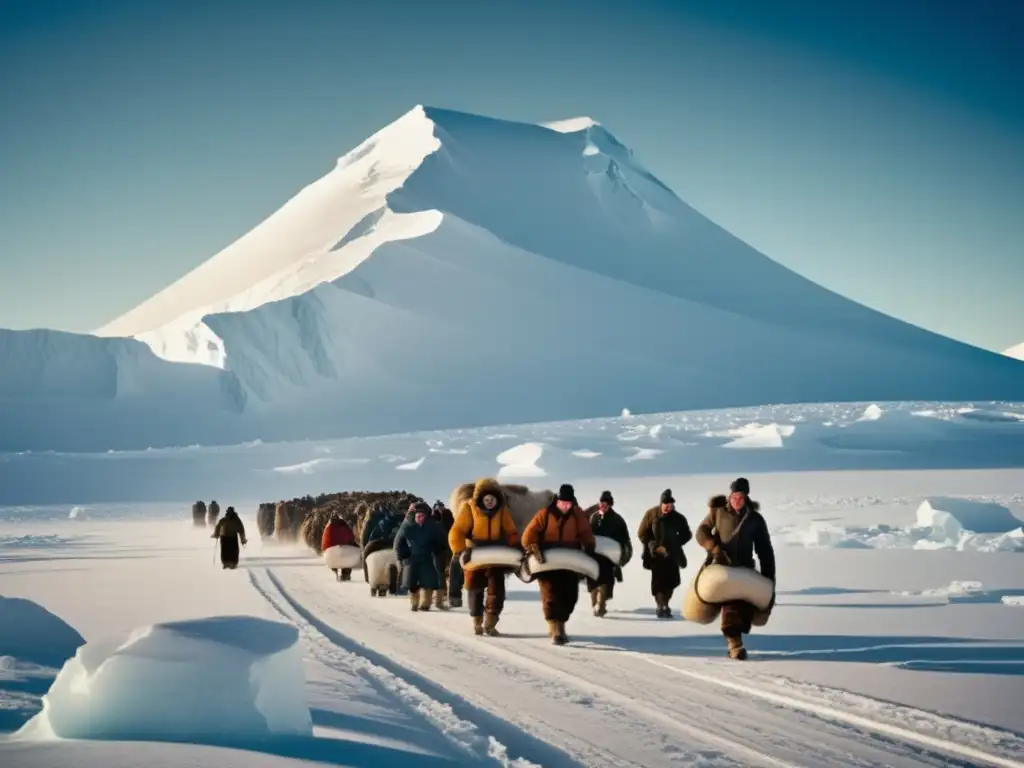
(456, 579)
(736, 617)
(559, 591)
(229, 551)
(605, 577)
(664, 578)
(491, 581)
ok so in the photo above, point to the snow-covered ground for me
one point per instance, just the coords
(897, 640)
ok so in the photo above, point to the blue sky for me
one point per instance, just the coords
(875, 146)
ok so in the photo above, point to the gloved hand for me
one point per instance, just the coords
(535, 551)
(627, 555)
(661, 552)
(466, 555)
(719, 556)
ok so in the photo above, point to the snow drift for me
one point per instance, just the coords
(202, 680)
(442, 272)
(32, 634)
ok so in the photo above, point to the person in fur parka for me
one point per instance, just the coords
(484, 520)
(664, 532)
(561, 524)
(732, 533)
(605, 521)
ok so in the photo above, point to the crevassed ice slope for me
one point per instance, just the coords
(457, 270)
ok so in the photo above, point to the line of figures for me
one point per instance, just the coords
(435, 551)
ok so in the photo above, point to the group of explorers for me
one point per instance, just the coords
(433, 546)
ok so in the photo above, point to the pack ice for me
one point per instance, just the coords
(208, 679)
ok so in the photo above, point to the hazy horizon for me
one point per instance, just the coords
(877, 149)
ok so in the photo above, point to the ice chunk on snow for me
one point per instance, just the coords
(758, 436)
(413, 465)
(76, 512)
(955, 515)
(29, 632)
(213, 678)
(625, 413)
(526, 453)
(871, 413)
(521, 461)
(645, 454)
(1013, 599)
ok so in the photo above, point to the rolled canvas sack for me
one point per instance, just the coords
(494, 555)
(609, 548)
(343, 556)
(377, 566)
(559, 559)
(715, 584)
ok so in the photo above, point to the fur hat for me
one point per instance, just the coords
(740, 485)
(566, 493)
(667, 497)
(606, 498)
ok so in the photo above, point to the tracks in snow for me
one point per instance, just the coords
(599, 701)
(466, 730)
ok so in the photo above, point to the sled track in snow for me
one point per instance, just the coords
(464, 725)
(890, 741)
(937, 740)
(532, 738)
(766, 721)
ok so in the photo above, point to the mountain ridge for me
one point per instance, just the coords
(459, 270)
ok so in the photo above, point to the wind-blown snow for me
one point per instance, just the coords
(221, 677)
(438, 277)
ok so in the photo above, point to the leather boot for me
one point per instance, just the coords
(426, 596)
(553, 632)
(478, 625)
(602, 603)
(491, 625)
(440, 600)
(593, 598)
(414, 601)
(561, 638)
(735, 645)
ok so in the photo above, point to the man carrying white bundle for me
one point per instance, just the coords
(484, 520)
(605, 521)
(732, 533)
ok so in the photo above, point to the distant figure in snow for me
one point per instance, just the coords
(229, 530)
(419, 541)
(337, 533)
(199, 514)
(213, 514)
(444, 518)
(484, 520)
(732, 533)
(561, 524)
(605, 521)
(664, 532)
(379, 533)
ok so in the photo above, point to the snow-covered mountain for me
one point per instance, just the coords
(457, 270)
(1016, 352)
